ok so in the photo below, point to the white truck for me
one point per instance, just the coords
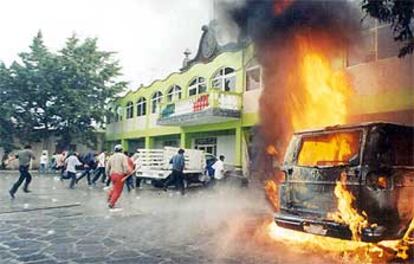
(153, 165)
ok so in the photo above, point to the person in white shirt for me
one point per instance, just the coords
(100, 170)
(70, 163)
(44, 160)
(218, 167)
(137, 163)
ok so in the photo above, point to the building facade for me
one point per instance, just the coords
(212, 104)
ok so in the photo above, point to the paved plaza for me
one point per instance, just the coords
(54, 224)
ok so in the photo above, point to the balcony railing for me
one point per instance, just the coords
(202, 108)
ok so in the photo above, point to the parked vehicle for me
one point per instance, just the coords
(155, 167)
(378, 159)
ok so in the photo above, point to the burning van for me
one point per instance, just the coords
(350, 182)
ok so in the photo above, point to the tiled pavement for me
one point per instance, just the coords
(54, 224)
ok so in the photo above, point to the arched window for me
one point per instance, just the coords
(174, 93)
(129, 110)
(197, 86)
(156, 101)
(141, 106)
(225, 79)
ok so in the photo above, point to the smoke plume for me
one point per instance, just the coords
(277, 29)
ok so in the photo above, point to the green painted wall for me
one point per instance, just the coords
(236, 60)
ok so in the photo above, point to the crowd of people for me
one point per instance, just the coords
(117, 168)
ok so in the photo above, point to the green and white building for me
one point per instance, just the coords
(210, 104)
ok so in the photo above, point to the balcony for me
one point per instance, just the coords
(213, 107)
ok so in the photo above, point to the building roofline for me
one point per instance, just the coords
(350, 126)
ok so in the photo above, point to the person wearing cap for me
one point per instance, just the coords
(177, 175)
(25, 156)
(117, 168)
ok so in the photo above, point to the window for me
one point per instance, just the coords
(391, 146)
(330, 149)
(365, 51)
(197, 86)
(174, 93)
(156, 101)
(208, 145)
(129, 110)
(253, 78)
(141, 106)
(171, 143)
(253, 75)
(387, 46)
(376, 42)
(118, 114)
(225, 79)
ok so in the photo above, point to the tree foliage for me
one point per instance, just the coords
(398, 13)
(6, 109)
(61, 93)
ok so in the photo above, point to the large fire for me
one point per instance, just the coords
(346, 213)
(335, 149)
(317, 96)
(319, 92)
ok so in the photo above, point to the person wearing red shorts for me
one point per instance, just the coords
(117, 168)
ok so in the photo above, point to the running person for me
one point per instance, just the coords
(117, 168)
(24, 156)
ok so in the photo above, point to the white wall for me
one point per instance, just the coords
(226, 147)
(251, 101)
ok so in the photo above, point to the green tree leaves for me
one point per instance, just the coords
(62, 93)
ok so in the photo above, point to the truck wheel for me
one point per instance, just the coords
(157, 183)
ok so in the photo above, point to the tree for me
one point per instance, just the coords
(88, 82)
(63, 93)
(6, 110)
(34, 90)
(398, 13)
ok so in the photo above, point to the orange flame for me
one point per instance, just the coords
(347, 250)
(323, 92)
(271, 150)
(334, 149)
(272, 193)
(406, 242)
(347, 214)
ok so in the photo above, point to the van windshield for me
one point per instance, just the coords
(330, 149)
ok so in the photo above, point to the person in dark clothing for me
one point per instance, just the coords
(177, 175)
(89, 163)
(24, 156)
(100, 170)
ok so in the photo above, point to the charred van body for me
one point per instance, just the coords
(378, 159)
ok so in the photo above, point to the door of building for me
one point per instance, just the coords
(208, 145)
